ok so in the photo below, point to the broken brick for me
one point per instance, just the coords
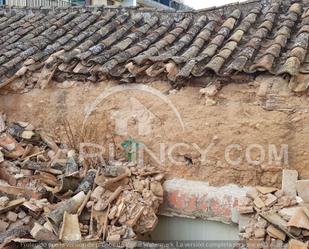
(270, 200)
(259, 233)
(266, 190)
(276, 233)
(245, 209)
(296, 244)
(258, 202)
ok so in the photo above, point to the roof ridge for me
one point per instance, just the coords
(229, 4)
(143, 9)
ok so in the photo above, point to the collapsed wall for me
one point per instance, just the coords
(217, 96)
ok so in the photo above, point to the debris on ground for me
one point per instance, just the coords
(278, 218)
(48, 193)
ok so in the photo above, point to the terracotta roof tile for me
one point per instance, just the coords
(95, 43)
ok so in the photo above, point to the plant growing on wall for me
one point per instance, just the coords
(130, 147)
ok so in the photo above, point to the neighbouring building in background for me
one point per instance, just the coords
(37, 3)
(159, 4)
(104, 2)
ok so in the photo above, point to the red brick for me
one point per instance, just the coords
(202, 203)
(191, 206)
(215, 207)
(176, 200)
(198, 199)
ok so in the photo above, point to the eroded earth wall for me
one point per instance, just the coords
(243, 134)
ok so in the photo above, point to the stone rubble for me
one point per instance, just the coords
(275, 218)
(47, 193)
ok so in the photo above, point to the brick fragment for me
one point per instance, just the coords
(275, 233)
(258, 202)
(245, 209)
(270, 200)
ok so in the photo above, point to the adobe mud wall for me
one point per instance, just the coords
(234, 137)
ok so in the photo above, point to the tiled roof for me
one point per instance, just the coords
(95, 43)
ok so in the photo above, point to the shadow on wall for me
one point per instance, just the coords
(176, 228)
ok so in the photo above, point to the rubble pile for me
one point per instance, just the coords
(275, 218)
(48, 194)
